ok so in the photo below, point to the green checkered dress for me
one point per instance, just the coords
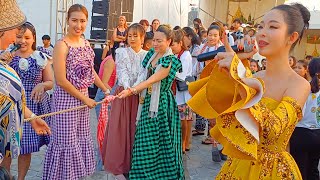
(157, 150)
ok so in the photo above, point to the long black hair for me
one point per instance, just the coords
(314, 70)
(194, 38)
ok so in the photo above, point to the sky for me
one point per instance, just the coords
(310, 4)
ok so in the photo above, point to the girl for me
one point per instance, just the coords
(302, 68)
(305, 140)
(157, 151)
(119, 135)
(254, 66)
(119, 36)
(70, 154)
(35, 72)
(257, 145)
(182, 96)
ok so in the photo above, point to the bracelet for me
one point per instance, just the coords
(32, 116)
(133, 91)
(107, 91)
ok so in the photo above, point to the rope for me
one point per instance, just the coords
(62, 111)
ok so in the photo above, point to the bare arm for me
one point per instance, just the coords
(47, 77)
(104, 53)
(107, 71)
(158, 76)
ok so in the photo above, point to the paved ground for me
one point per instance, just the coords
(198, 162)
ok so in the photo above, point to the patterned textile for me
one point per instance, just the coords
(103, 120)
(12, 103)
(30, 71)
(47, 51)
(157, 151)
(70, 154)
(128, 64)
(185, 112)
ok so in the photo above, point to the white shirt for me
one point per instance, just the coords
(311, 112)
(186, 60)
(128, 65)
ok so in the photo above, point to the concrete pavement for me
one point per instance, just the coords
(199, 165)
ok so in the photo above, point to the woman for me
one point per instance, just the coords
(145, 24)
(256, 147)
(70, 154)
(119, 135)
(305, 140)
(155, 25)
(302, 68)
(119, 36)
(182, 93)
(35, 72)
(157, 151)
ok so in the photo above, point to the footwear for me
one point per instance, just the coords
(187, 149)
(197, 133)
(223, 157)
(215, 154)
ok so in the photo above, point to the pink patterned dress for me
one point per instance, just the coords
(70, 154)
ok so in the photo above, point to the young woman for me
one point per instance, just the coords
(35, 72)
(155, 25)
(305, 140)
(119, 36)
(257, 145)
(182, 95)
(119, 136)
(157, 151)
(302, 68)
(70, 154)
(254, 66)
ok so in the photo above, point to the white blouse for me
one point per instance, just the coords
(311, 111)
(186, 60)
(128, 65)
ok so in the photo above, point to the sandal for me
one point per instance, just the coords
(196, 133)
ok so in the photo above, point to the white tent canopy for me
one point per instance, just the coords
(173, 12)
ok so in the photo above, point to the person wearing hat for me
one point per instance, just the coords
(13, 108)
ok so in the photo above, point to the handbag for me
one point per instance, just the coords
(183, 85)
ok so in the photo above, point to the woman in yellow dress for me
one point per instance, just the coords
(256, 115)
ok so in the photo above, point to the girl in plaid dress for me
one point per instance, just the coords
(70, 154)
(157, 150)
(36, 76)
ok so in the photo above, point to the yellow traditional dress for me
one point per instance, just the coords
(254, 130)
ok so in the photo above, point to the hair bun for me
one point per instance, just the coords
(304, 12)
